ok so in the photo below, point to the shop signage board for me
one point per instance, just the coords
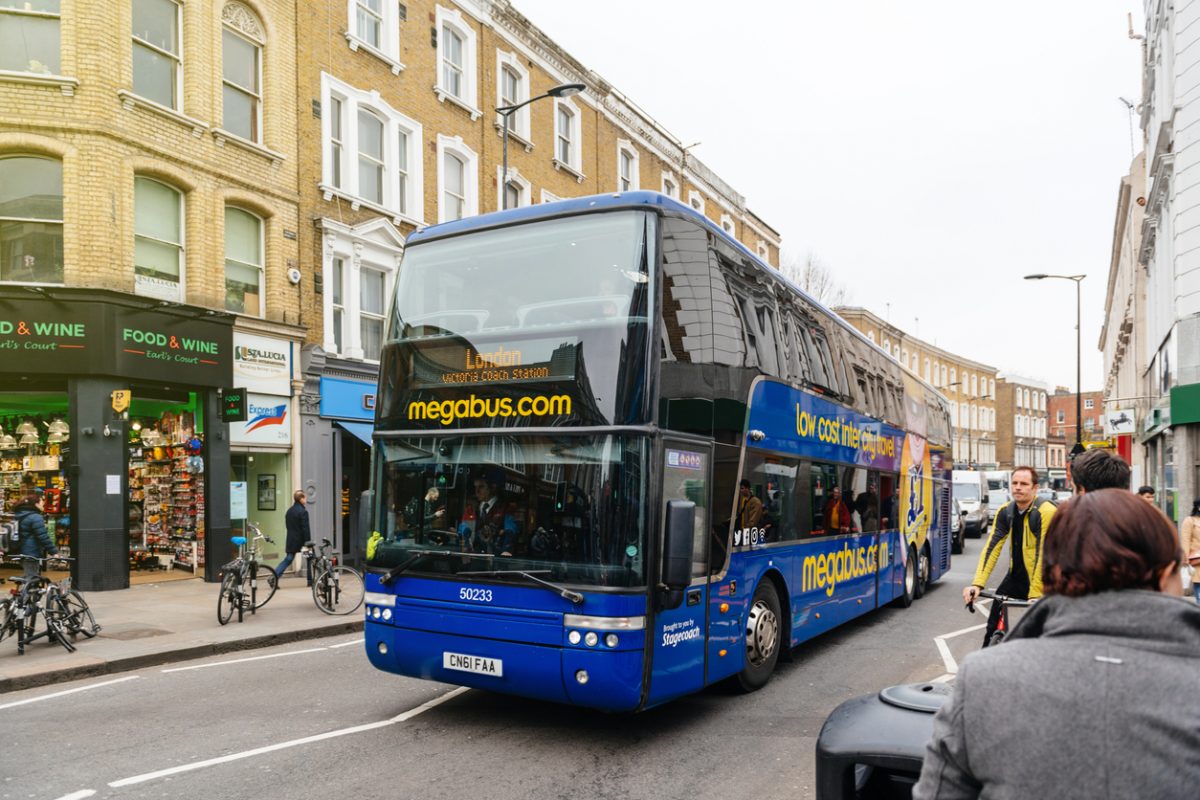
(1120, 420)
(120, 400)
(237, 500)
(233, 405)
(347, 399)
(93, 337)
(268, 421)
(262, 363)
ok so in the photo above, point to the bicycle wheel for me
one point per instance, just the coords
(8, 625)
(265, 578)
(339, 590)
(56, 621)
(228, 597)
(79, 616)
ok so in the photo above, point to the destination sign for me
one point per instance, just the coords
(463, 364)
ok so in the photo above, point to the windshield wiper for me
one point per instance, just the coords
(417, 555)
(574, 597)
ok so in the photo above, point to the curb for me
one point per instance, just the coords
(170, 656)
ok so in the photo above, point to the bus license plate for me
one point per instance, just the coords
(477, 664)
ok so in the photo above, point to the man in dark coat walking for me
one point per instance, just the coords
(298, 532)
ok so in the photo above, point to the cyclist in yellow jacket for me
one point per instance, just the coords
(1029, 520)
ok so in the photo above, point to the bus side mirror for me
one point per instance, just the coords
(677, 549)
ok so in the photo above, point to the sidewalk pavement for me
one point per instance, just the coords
(156, 623)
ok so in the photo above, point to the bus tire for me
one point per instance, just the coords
(910, 580)
(923, 567)
(764, 629)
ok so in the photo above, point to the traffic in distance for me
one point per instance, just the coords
(618, 458)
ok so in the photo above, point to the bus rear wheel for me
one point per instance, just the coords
(763, 633)
(923, 567)
(910, 580)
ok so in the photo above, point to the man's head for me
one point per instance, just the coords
(1099, 468)
(1024, 483)
(744, 488)
(484, 489)
(836, 493)
(1147, 494)
(300, 497)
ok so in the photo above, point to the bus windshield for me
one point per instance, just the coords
(554, 313)
(570, 508)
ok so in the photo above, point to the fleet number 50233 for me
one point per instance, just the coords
(476, 595)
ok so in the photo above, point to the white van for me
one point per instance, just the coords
(970, 490)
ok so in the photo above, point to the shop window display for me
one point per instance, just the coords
(166, 493)
(33, 451)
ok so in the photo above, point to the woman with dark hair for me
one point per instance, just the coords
(1092, 692)
(1189, 542)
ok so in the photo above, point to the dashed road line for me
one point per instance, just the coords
(244, 660)
(69, 691)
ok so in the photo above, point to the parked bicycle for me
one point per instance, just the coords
(246, 585)
(64, 612)
(337, 589)
(1005, 602)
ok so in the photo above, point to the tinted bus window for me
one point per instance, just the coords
(773, 482)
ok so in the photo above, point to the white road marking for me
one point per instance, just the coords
(949, 676)
(978, 627)
(947, 657)
(370, 726)
(345, 644)
(82, 793)
(70, 691)
(244, 660)
(944, 650)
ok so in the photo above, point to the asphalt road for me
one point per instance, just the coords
(314, 719)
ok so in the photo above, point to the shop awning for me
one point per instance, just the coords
(361, 430)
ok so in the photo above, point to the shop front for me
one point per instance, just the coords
(109, 412)
(338, 410)
(262, 462)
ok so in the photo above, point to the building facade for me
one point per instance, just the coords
(148, 219)
(1170, 429)
(1123, 336)
(969, 385)
(1061, 411)
(1022, 403)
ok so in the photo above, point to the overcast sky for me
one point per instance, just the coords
(928, 153)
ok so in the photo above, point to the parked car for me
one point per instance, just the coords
(958, 536)
(997, 499)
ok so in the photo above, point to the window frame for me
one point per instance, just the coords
(262, 258)
(259, 48)
(574, 162)
(670, 185)
(180, 292)
(454, 145)
(177, 104)
(61, 223)
(410, 206)
(696, 201)
(523, 186)
(627, 154)
(43, 15)
(519, 121)
(380, 317)
(388, 49)
(376, 245)
(452, 20)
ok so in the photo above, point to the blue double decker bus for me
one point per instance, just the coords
(617, 458)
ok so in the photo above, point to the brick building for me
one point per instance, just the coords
(969, 385)
(1062, 417)
(148, 173)
(1021, 440)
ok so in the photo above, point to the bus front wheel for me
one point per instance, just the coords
(763, 632)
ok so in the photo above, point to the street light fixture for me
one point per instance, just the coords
(1078, 448)
(562, 90)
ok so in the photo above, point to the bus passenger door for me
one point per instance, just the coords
(677, 637)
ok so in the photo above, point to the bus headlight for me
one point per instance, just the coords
(382, 648)
(581, 677)
(574, 637)
(591, 639)
(387, 614)
(611, 640)
(376, 613)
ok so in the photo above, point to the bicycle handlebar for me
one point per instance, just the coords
(1003, 599)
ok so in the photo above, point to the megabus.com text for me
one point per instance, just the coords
(448, 411)
(827, 570)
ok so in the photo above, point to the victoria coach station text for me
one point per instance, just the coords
(835, 431)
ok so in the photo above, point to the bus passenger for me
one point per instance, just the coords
(835, 514)
(867, 506)
(750, 508)
(488, 524)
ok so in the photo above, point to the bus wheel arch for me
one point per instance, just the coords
(765, 626)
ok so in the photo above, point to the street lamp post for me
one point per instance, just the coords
(1078, 448)
(563, 90)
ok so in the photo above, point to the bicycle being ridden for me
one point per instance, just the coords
(1005, 603)
(246, 584)
(336, 589)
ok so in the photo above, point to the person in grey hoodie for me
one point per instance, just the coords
(1094, 692)
(34, 540)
